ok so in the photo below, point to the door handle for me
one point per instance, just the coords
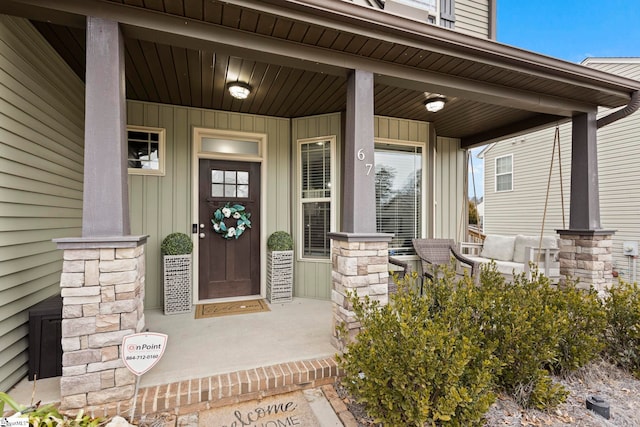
(202, 235)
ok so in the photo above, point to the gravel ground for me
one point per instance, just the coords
(616, 387)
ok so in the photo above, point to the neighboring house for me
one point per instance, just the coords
(517, 173)
(118, 128)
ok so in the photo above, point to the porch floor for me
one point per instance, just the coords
(290, 332)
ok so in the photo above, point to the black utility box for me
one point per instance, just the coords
(45, 339)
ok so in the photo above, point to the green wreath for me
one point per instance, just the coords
(224, 217)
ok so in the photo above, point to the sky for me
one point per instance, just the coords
(566, 29)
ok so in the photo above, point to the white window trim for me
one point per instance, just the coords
(162, 133)
(424, 189)
(333, 199)
(496, 174)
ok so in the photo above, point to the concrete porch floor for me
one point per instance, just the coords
(293, 331)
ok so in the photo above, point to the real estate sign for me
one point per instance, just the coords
(141, 352)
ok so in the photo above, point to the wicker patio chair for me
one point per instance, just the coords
(400, 273)
(437, 253)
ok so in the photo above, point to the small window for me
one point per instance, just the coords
(504, 173)
(316, 173)
(145, 150)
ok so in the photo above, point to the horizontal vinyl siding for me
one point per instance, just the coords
(312, 279)
(472, 17)
(160, 205)
(618, 165)
(449, 189)
(521, 211)
(628, 67)
(41, 174)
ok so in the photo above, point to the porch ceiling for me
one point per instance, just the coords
(296, 56)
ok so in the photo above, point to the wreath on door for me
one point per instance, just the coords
(230, 221)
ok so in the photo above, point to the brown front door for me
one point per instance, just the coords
(228, 267)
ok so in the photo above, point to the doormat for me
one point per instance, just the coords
(228, 308)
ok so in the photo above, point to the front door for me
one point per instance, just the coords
(229, 266)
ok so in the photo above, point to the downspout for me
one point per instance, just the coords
(632, 107)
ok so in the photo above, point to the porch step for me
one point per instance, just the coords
(192, 396)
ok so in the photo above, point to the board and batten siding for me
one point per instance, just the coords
(41, 176)
(160, 205)
(521, 210)
(472, 17)
(312, 278)
(449, 188)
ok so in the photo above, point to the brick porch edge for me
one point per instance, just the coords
(192, 396)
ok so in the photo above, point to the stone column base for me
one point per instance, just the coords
(360, 264)
(102, 285)
(585, 256)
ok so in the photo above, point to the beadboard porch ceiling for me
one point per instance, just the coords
(296, 57)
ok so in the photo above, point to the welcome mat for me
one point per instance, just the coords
(285, 410)
(228, 308)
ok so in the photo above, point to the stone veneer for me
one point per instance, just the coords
(360, 264)
(586, 256)
(102, 286)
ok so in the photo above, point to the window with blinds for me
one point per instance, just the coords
(504, 173)
(315, 197)
(399, 194)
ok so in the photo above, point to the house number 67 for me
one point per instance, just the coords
(361, 157)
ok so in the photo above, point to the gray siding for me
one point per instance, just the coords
(521, 210)
(41, 173)
(161, 205)
(472, 17)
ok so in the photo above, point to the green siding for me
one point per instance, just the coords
(312, 279)
(41, 173)
(160, 205)
(449, 190)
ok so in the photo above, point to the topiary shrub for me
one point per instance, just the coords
(421, 359)
(622, 335)
(176, 244)
(280, 241)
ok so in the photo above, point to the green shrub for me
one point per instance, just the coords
(176, 244)
(622, 306)
(522, 320)
(48, 415)
(582, 322)
(280, 241)
(421, 359)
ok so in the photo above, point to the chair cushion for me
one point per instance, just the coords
(548, 242)
(498, 247)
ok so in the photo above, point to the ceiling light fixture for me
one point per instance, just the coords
(239, 90)
(435, 104)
